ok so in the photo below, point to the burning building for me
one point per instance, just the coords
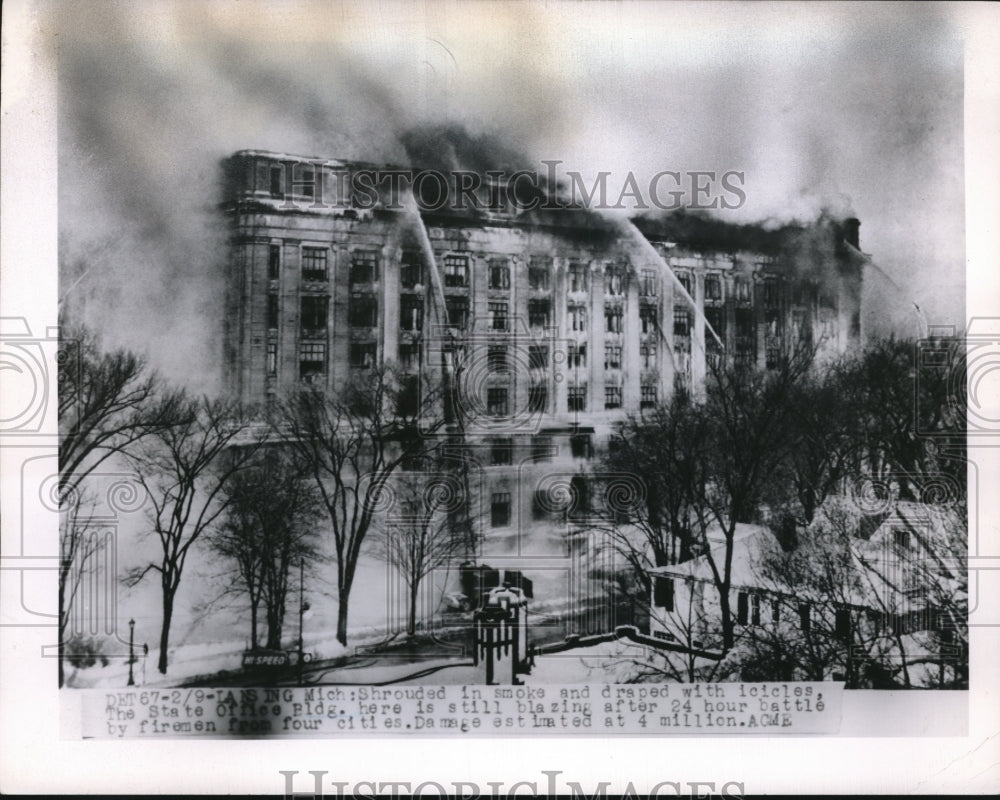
(555, 324)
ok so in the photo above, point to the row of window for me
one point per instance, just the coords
(364, 270)
(542, 505)
(313, 358)
(748, 608)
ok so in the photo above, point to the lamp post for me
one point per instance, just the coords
(303, 607)
(131, 651)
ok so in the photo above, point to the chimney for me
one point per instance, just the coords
(851, 229)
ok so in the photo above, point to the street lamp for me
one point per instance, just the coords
(303, 608)
(131, 652)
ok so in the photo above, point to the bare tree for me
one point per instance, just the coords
(747, 413)
(812, 616)
(80, 544)
(351, 442)
(707, 466)
(416, 536)
(661, 452)
(107, 403)
(185, 469)
(269, 527)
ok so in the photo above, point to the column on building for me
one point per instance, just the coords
(560, 360)
(664, 361)
(389, 258)
(631, 365)
(698, 333)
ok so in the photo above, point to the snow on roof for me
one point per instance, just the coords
(749, 542)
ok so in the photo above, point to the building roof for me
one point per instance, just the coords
(888, 560)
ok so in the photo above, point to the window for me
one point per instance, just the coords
(648, 354)
(538, 398)
(363, 311)
(746, 338)
(500, 452)
(805, 617)
(411, 313)
(274, 262)
(272, 311)
(456, 271)
(272, 358)
(901, 538)
(684, 279)
(580, 493)
(364, 267)
(663, 593)
(538, 277)
(800, 326)
(743, 294)
(647, 396)
(647, 318)
(842, 623)
(409, 353)
(541, 448)
(614, 282)
(277, 182)
(363, 354)
(755, 609)
(682, 319)
(612, 396)
(716, 319)
(312, 360)
(411, 270)
(580, 445)
(308, 183)
(772, 354)
(496, 401)
(613, 319)
(408, 398)
(538, 313)
(713, 288)
(538, 356)
(458, 311)
(577, 277)
(576, 358)
(577, 398)
(577, 318)
(772, 293)
(775, 611)
(313, 315)
(744, 323)
(499, 274)
(498, 316)
(314, 263)
(500, 510)
(742, 608)
(612, 356)
(497, 358)
(647, 286)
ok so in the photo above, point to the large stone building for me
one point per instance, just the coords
(555, 324)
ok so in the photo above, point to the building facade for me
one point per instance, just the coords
(553, 326)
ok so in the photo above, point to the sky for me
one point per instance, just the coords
(854, 109)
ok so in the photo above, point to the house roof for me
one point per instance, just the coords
(889, 560)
